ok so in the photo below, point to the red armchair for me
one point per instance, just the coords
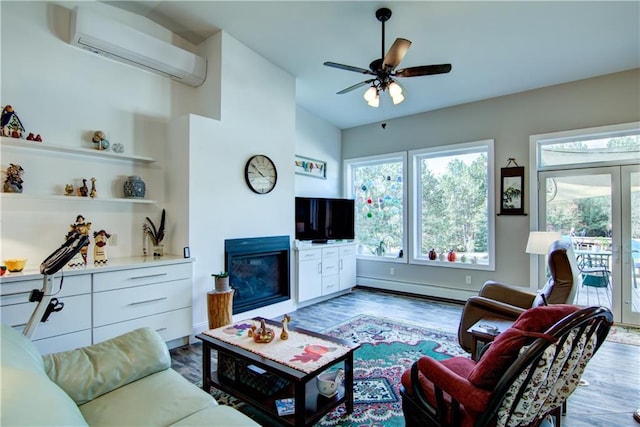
(525, 375)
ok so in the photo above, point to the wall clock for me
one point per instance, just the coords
(260, 174)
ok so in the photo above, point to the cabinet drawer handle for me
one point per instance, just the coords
(19, 325)
(148, 276)
(161, 329)
(147, 301)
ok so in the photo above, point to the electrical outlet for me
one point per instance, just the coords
(113, 240)
(467, 280)
(392, 271)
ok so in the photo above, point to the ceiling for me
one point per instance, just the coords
(495, 48)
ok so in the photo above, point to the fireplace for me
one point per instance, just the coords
(258, 271)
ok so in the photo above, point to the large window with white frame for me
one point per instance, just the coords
(377, 184)
(452, 199)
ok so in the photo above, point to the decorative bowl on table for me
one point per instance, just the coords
(329, 382)
(15, 265)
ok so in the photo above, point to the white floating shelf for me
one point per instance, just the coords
(22, 144)
(18, 196)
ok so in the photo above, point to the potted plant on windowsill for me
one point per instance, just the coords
(155, 234)
(221, 281)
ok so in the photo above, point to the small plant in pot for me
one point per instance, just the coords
(155, 234)
(221, 281)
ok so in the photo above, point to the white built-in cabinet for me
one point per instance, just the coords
(324, 269)
(103, 302)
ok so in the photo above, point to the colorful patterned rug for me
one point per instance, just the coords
(388, 348)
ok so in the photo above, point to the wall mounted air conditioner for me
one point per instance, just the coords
(117, 41)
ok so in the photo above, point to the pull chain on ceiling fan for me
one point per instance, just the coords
(384, 69)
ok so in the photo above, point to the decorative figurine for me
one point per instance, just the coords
(284, 335)
(13, 183)
(117, 148)
(451, 257)
(10, 123)
(93, 192)
(432, 254)
(263, 334)
(68, 190)
(100, 140)
(100, 238)
(83, 228)
(83, 191)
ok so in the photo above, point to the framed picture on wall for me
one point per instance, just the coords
(310, 167)
(512, 191)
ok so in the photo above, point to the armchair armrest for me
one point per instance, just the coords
(458, 387)
(516, 296)
(89, 372)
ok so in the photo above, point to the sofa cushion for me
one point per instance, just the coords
(217, 415)
(88, 372)
(160, 399)
(28, 396)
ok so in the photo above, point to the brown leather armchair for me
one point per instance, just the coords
(508, 302)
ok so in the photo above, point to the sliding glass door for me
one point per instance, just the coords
(598, 209)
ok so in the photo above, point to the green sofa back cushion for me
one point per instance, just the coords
(88, 372)
(27, 395)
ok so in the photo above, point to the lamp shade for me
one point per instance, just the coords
(539, 241)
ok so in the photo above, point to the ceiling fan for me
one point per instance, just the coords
(384, 69)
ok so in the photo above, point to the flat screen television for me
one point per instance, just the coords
(322, 219)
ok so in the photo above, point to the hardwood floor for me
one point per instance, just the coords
(613, 375)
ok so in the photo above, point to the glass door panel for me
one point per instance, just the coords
(630, 186)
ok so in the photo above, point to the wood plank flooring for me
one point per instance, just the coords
(613, 374)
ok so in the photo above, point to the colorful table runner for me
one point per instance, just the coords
(303, 352)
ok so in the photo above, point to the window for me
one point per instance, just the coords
(378, 186)
(453, 205)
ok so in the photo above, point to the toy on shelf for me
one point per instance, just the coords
(10, 123)
(100, 240)
(13, 183)
(284, 335)
(100, 140)
(80, 227)
(93, 193)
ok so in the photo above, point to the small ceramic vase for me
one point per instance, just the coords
(134, 187)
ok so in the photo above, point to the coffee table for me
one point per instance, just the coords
(313, 353)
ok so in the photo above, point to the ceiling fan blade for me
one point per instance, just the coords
(396, 52)
(347, 67)
(423, 70)
(355, 86)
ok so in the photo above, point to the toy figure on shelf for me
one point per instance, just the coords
(100, 240)
(100, 140)
(83, 191)
(13, 183)
(83, 228)
(93, 193)
(68, 190)
(10, 123)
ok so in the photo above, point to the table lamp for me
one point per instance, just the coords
(539, 241)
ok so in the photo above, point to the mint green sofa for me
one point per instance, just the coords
(125, 381)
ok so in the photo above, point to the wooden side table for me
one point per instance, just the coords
(220, 308)
(484, 331)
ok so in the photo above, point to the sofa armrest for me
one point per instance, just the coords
(88, 372)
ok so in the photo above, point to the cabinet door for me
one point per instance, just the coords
(309, 274)
(347, 267)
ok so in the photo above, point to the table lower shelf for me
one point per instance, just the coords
(316, 405)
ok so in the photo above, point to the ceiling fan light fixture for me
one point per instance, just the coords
(371, 94)
(397, 99)
(374, 102)
(394, 90)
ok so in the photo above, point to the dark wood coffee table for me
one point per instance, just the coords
(310, 406)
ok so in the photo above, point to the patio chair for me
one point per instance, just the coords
(523, 378)
(595, 273)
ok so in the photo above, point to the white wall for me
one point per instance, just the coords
(510, 120)
(318, 139)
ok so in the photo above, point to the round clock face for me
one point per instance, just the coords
(260, 174)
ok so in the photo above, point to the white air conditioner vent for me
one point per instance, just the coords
(119, 42)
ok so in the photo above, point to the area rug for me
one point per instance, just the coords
(387, 348)
(624, 335)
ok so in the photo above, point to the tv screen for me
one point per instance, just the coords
(321, 219)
